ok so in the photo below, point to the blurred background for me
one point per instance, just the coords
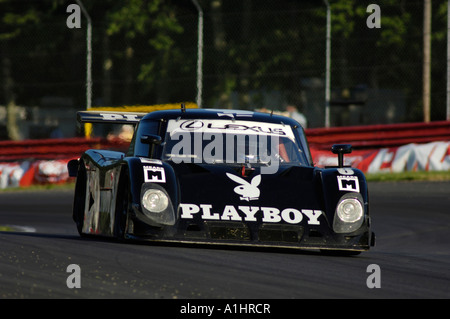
(255, 54)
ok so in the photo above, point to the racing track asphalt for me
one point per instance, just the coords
(411, 221)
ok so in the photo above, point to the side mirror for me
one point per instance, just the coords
(72, 167)
(341, 149)
(151, 139)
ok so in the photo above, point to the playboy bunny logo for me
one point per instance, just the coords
(249, 191)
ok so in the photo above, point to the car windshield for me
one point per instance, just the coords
(230, 142)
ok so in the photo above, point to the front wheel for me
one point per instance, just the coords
(123, 206)
(79, 201)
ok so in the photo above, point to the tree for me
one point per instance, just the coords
(14, 20)
(156, 22)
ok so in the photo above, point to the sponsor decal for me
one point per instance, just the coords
(235, 113)
(150, 161)
(348, 183)
(345, 171)
(249, 191)
(228, 141)
(114, 117)
(191, 125)
(154, 174)
(207, 126)
(230, 126)
(248, 213)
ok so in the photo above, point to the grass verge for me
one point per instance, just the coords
(440, 176)
(33, 188)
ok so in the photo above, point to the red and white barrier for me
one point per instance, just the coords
(31, 162)
(33, 172)
(433, 156)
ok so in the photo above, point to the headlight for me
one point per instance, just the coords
(155, 200)
(349, 210)
(349, 214)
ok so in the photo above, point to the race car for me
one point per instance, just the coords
(214, 176)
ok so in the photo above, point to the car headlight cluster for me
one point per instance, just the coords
(349, 215)
(156, 205)
(154, 200)
(349, 210)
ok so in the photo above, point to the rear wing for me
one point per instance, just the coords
(91, 117)
(109, 117)
(122, 114)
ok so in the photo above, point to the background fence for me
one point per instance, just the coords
(256, 54)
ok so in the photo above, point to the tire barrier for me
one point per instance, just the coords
(376, 148)
(411, 157)
(433, 156)
(33, 172)
(379, 136)
(35, 162)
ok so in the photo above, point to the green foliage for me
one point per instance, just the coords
(250, 45)
(154, 20)
(436, 176)
(14, 20)
(141, 17)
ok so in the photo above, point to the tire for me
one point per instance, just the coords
(79, 201)
(123, 206)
